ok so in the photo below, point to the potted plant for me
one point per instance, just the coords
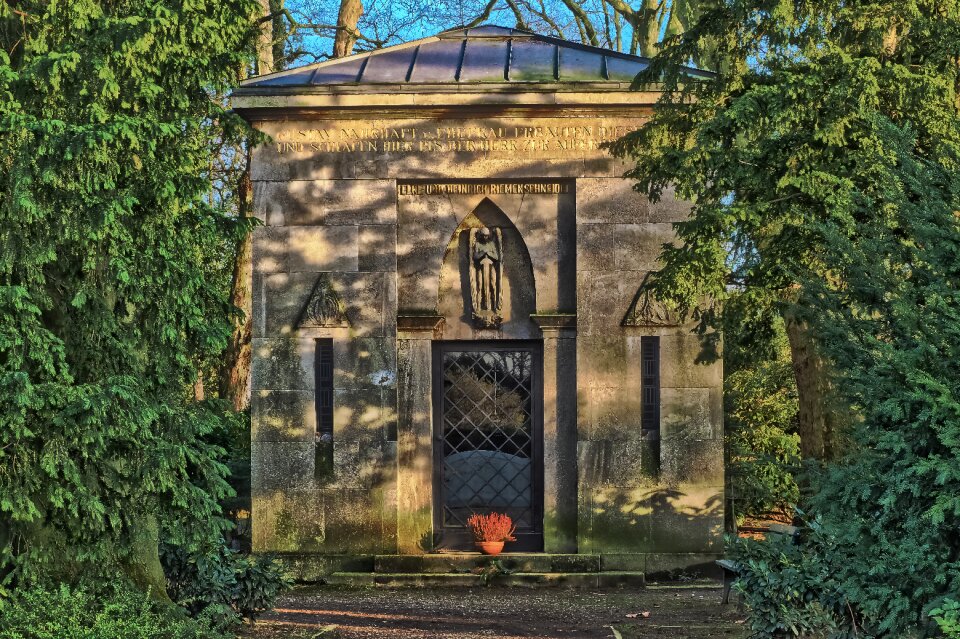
(491, 531)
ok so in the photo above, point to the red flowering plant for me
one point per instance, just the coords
(492, 527)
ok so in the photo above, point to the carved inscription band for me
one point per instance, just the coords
(484, 188)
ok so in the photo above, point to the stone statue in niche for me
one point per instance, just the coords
(486, 276)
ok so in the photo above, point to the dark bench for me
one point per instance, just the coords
(731, 568)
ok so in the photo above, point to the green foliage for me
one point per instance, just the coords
(825, 155)
(780, 586)
(788, 589)
(223, 585)
(893, 325)
(947, 618)
(761, 416)
(492, 570)
(107, 304)
(83, 613)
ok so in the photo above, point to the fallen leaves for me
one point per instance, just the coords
(639, 615)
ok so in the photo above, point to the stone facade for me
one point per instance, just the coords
(373, 199)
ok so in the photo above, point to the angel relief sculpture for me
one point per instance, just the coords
(486, 276)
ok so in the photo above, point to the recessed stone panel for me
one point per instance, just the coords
(684, 363)
(691, 462)
(288, 520)
(283, 363)
(364, 362)
(283, 416)
(282, 466)
(685, 414)
(687, 520)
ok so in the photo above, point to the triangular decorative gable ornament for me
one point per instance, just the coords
(324, 307)
(647, 310)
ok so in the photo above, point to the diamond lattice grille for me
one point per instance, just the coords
(487, 417)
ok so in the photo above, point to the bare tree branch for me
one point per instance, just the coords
(484, 16)
(521, 23)
(589, 33)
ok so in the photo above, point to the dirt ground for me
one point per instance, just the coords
(505, 613)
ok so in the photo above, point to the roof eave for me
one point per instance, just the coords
(490, 98)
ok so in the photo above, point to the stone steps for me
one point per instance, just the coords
(463, 569)
(468, 580)
(466, 562)
(530, 570)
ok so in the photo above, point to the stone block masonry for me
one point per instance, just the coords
(524, 371)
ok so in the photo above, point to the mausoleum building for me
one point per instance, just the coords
(448, 315)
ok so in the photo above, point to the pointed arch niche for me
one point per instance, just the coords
(519, 285)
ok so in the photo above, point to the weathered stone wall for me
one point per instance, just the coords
(640, 495)
(347, 231)
(333, 199)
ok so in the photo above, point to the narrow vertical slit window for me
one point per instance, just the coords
(650, 382)
(323, 370)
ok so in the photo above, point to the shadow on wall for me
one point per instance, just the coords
(297, 507)
(676, 529)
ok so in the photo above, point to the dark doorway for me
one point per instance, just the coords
(488, 439)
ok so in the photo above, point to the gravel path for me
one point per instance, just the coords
(506, 613)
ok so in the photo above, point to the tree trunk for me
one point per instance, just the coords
(816, 422)
(198, 391)
(278, 34)
(143, 565)
(265, 41)
(347, 20)
(651, 31)
(235, 370)
(235, 376)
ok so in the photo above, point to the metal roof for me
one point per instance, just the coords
(484, 54)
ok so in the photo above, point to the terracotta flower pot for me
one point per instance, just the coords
(490, 547)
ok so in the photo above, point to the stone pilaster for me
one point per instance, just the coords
(415, 334)
(559, 432)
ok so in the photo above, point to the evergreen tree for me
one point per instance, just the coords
(825, 153)
(108, 124)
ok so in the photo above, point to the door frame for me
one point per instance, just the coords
(458, 540)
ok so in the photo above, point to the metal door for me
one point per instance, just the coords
(488, 439)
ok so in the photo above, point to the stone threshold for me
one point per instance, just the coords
(463, 568)
(450, 562)
(513, 580)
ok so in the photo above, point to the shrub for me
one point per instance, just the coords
(788, 590)
(83, 612)
(224, 585)
(947, 617)
(764, 449)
